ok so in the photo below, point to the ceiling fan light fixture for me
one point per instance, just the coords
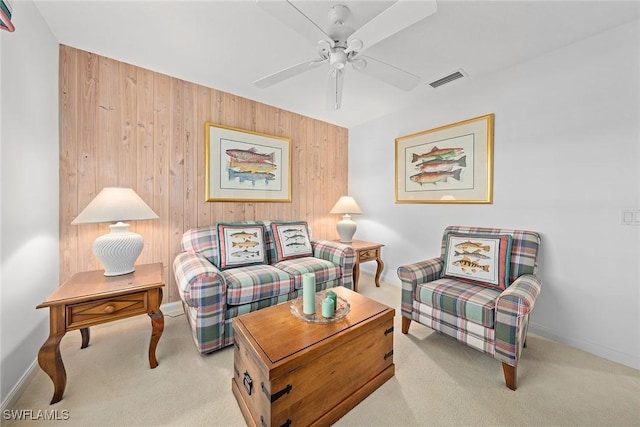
(355, 44)
(338, 58)
(359, 64)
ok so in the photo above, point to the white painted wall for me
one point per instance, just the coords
(29, 189)
(567, 162)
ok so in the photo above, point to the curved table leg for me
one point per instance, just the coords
(84, 332)
(49, 357)
(379, 271)
(157, 325)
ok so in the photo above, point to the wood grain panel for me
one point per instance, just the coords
(122, 125)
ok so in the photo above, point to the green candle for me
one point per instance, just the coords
(334, 297)
(327, 307)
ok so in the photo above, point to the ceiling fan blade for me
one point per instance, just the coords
(397, 17)
(334, 89)
(288, 72)
(287, 13)
(387, 73)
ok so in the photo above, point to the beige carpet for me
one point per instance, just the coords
(438, 382)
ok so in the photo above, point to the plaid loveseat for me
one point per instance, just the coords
(211, 297)
(491, 320)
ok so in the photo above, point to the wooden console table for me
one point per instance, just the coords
(366, 251)
(91, 298)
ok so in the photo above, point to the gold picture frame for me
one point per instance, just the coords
(448, 164)
(246, 166)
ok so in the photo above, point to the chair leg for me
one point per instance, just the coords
(510, 374)
(405, 324)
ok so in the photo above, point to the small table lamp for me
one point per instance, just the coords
(346, 227)
(119, 249)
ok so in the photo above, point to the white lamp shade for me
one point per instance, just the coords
(119, 249)
(346, 227)
(346, 205)
(115, 204)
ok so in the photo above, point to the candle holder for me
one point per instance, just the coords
(343, 308)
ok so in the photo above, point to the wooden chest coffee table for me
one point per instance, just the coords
(291, 372)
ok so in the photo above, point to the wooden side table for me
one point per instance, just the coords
(366, 251)
(91, 298)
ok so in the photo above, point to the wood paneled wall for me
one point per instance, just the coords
(122, 125)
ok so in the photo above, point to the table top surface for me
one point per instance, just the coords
(280, 334)
(362, 244)
(94, 284)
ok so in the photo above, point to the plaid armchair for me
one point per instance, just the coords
(483, 316)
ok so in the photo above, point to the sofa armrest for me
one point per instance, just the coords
(200, 283)
(339, 254)
(519, 298)
(420, 272)
(411, 276)
(512, 317)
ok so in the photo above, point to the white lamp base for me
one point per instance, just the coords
(346, 229)
(118, 250)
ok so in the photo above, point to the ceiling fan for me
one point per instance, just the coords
(338, 43)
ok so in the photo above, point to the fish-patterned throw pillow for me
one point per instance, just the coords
(291, 240)
(240, 245)
(477, 258)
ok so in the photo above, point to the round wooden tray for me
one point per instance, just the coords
(341, 311)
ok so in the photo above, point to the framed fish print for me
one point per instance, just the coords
(449, 164)
(246, 166)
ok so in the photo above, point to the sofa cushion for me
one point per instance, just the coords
(255, 283)
(290, 240)
(479, 259)
(461, 299)
(240, 245)
(323, 270)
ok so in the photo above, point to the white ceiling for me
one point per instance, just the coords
(226, 45)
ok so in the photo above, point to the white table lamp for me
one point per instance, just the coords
(346, 206)
(119, 249)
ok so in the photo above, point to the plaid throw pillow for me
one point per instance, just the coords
(291, 240)
(240, 245)
(479, 259)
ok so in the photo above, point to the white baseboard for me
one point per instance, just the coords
(16, 392)
(172, 309)
(630, 360)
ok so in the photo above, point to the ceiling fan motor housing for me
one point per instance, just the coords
(337, 29)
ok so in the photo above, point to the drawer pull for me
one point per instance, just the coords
(248, 383)
(109, 309)
(263, 424)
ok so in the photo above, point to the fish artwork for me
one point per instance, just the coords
(435, 177)
(470, 246)
(245, 244)
(246, 254)
(469, 264)
(438, 153)
(476, 255)
(251, 166)
(243, 235)
(291, 230)
(295, 236)
(250, 155)
(294, 244)
(253, 177)
(441, 165)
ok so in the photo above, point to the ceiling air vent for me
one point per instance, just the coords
(447, 79)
